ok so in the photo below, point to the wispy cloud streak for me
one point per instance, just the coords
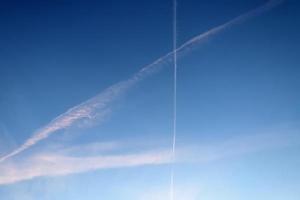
(79, 159)
(239, 146)
(57, 165)
(98, 105)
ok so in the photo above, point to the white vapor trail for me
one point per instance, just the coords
(98, 105)
(174, 98)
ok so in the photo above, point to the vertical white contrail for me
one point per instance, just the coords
(174, 97)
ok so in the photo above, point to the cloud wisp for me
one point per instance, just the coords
(97, 156)
(98, 106)
(49, 165)
(239, 146)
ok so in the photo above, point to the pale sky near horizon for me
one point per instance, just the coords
(238, 101)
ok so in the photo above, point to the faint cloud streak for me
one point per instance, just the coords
(48, 165)
(63, 162)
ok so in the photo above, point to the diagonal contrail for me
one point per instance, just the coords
(98, 105)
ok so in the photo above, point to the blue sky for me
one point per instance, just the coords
(238, 100)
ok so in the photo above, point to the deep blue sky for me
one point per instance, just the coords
(238, 95)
